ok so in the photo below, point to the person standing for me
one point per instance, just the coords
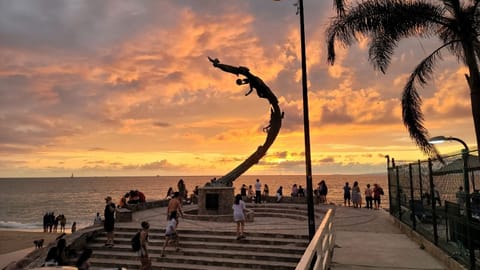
(63, 222)
(279, 194)
(97, 220)
(74, 227)
(250, 194)
(265, 192)
(181, 190)
(346, 194)
(239, 216)
(258, 191)
(243, 192)
(109, 224)
(369, 197)
(143, 251)
(356, 196)
(323, 191)
(377, 192)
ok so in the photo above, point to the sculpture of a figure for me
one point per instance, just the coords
(255, 82)
(273, 128)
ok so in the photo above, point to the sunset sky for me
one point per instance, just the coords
(105, 88)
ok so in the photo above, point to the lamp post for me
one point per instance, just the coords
(466, 183)
(306, 124)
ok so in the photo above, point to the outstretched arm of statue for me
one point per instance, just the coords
(227, 68)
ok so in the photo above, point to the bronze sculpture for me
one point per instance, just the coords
(263, 91)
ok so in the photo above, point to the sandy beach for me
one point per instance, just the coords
(11, 241)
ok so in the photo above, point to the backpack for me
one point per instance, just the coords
(136, 242)
(381, 191)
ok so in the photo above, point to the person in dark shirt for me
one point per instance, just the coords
(109, 223)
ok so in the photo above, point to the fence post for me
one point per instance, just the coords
(433, 203)
(389, 185)
(412, 204)
(398, 194)
(421, 179)
(468, 210)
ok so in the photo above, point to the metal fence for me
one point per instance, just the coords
(441, 201)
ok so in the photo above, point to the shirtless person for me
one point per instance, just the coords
(174, 206)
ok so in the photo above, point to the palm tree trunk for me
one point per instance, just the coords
(473, 80)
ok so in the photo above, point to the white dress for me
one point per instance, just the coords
(238, 211)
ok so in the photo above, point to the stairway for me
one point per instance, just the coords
(215, 250)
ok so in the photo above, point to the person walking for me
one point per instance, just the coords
(258, 191)
(239, 215)
(174, 206)
(369, 197)
(109, 223)
(145, 261)
(171, 236)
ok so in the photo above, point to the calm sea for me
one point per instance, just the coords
(24, 201)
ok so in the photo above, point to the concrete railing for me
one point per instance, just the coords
(320, 250)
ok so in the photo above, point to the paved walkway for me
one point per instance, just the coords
(365, 239)
(7, 258)
(368, 239)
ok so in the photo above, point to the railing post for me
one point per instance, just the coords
(412, 204)
(433, 203)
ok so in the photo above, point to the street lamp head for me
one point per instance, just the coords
(442, 139)
(437, 140)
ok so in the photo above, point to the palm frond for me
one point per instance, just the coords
(411, 103)
(380, 51)
(339, 6)
(394, 19)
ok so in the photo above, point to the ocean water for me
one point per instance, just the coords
(24, 201)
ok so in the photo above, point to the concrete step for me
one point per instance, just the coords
(234, 246)
(252, 238)
(205, 253)
(154, 233)
(181, 261)
(158, 239)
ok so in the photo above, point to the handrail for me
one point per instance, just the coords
(321, 246)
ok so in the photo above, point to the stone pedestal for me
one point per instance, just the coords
(215, 200)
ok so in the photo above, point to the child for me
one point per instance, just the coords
(171, 233)
(143, 252)
(239, 215)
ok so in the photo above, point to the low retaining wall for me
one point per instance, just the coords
(76, 243)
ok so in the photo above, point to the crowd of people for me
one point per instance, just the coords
(353, 195)
(132, 197)
(52, 223)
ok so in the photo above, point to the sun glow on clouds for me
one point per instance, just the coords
(125, 88)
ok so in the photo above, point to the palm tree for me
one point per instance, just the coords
(385, 22)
